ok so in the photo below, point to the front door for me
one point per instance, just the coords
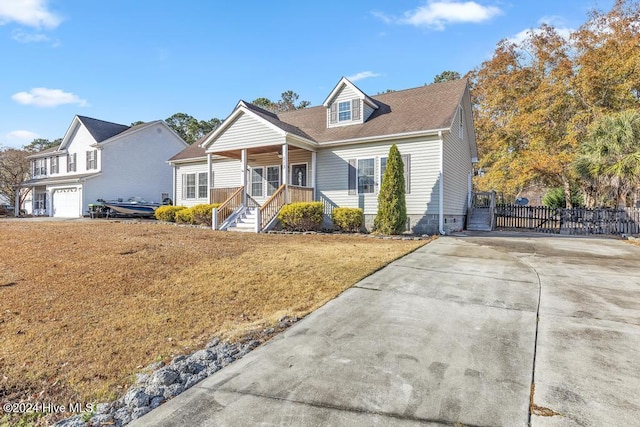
(299, 175)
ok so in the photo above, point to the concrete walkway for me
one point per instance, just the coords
(449, 335)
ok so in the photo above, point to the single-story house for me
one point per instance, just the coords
(257, 160)
(102, 160)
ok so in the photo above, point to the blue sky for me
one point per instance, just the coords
(124, 60)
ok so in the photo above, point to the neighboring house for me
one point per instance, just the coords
(336, 153)
(102, 160)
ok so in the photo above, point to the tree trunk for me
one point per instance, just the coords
(566, 185)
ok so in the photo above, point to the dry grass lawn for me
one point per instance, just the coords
(84, 305)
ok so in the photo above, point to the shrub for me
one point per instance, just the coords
(347, 219)
(202, 213)
(302, 216)
(392, 208)
(167, 213)
(555, 198)
(184, 216)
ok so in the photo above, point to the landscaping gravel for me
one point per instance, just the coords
(159, 383)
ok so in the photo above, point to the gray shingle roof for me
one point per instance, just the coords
(101, 130)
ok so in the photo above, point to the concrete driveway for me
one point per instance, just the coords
(457, 332)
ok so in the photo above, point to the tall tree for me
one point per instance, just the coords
(287, 102)
(40, 144)
(189, 128)
(534, 100)
(392, 207)
(14, 170)
(610, 156)
(446, 76)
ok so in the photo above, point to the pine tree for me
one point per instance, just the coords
(392, 207)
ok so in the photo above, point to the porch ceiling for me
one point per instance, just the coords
(237, 154)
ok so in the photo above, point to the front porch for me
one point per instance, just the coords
(270, 177)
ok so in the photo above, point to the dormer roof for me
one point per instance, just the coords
(345, 82)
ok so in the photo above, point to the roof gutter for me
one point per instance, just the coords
(441, 187)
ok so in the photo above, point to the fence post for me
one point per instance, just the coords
(214, 218)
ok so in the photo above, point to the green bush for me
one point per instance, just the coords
(202, 213)
(555, 198)
(347, 219)
(168, 213)
(302, 216)
(392, 208)
(184, 216)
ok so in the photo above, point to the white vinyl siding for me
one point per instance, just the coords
(333, 168)
(368, 111)
(247, 131)
(182, 172)
(457, 166)
(226, 173)
(346, 94)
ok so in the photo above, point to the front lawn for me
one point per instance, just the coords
(86, 304)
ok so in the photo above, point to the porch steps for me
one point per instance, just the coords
(246, 222)
(480, 220)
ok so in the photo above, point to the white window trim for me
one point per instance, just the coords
(265, 190)
(358, 174)
(57, 165)
(70, 163)
(264, 179)
(185, 185)
(92, 159)
(348, 110)
(198, 186)
(291, 171)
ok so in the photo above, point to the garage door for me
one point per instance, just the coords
(66, 203)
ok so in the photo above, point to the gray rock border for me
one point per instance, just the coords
(158, 383)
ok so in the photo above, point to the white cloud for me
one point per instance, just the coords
(32, 13)
(22, 134)
(18, 138)
(362, 75)
(43, 97)
(438, 14)
(554, 21)
(24, 37)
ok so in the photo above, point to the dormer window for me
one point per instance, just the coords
(344, 111)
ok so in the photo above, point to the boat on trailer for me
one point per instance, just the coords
(134, 206)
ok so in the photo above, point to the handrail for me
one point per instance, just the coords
(272, 206)
(231, 204)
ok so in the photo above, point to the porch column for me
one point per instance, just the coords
(209, 177)
(243, 175)
(285, 170)
(313, 173)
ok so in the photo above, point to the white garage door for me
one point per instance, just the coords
(66, 203)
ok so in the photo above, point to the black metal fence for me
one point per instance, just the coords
(582, 221)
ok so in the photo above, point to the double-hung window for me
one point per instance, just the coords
(40, 167)
(366, 176)
(203, 186)
(344, 111)
(92, 159)
(71, 162)
(55, 164)
(189, 186)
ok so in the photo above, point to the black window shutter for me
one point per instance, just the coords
(352, 177)
(334, 113)
(355, 109)
(88, 158)
(406, 159)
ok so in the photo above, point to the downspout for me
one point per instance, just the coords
(174, 174)
(441, 187)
